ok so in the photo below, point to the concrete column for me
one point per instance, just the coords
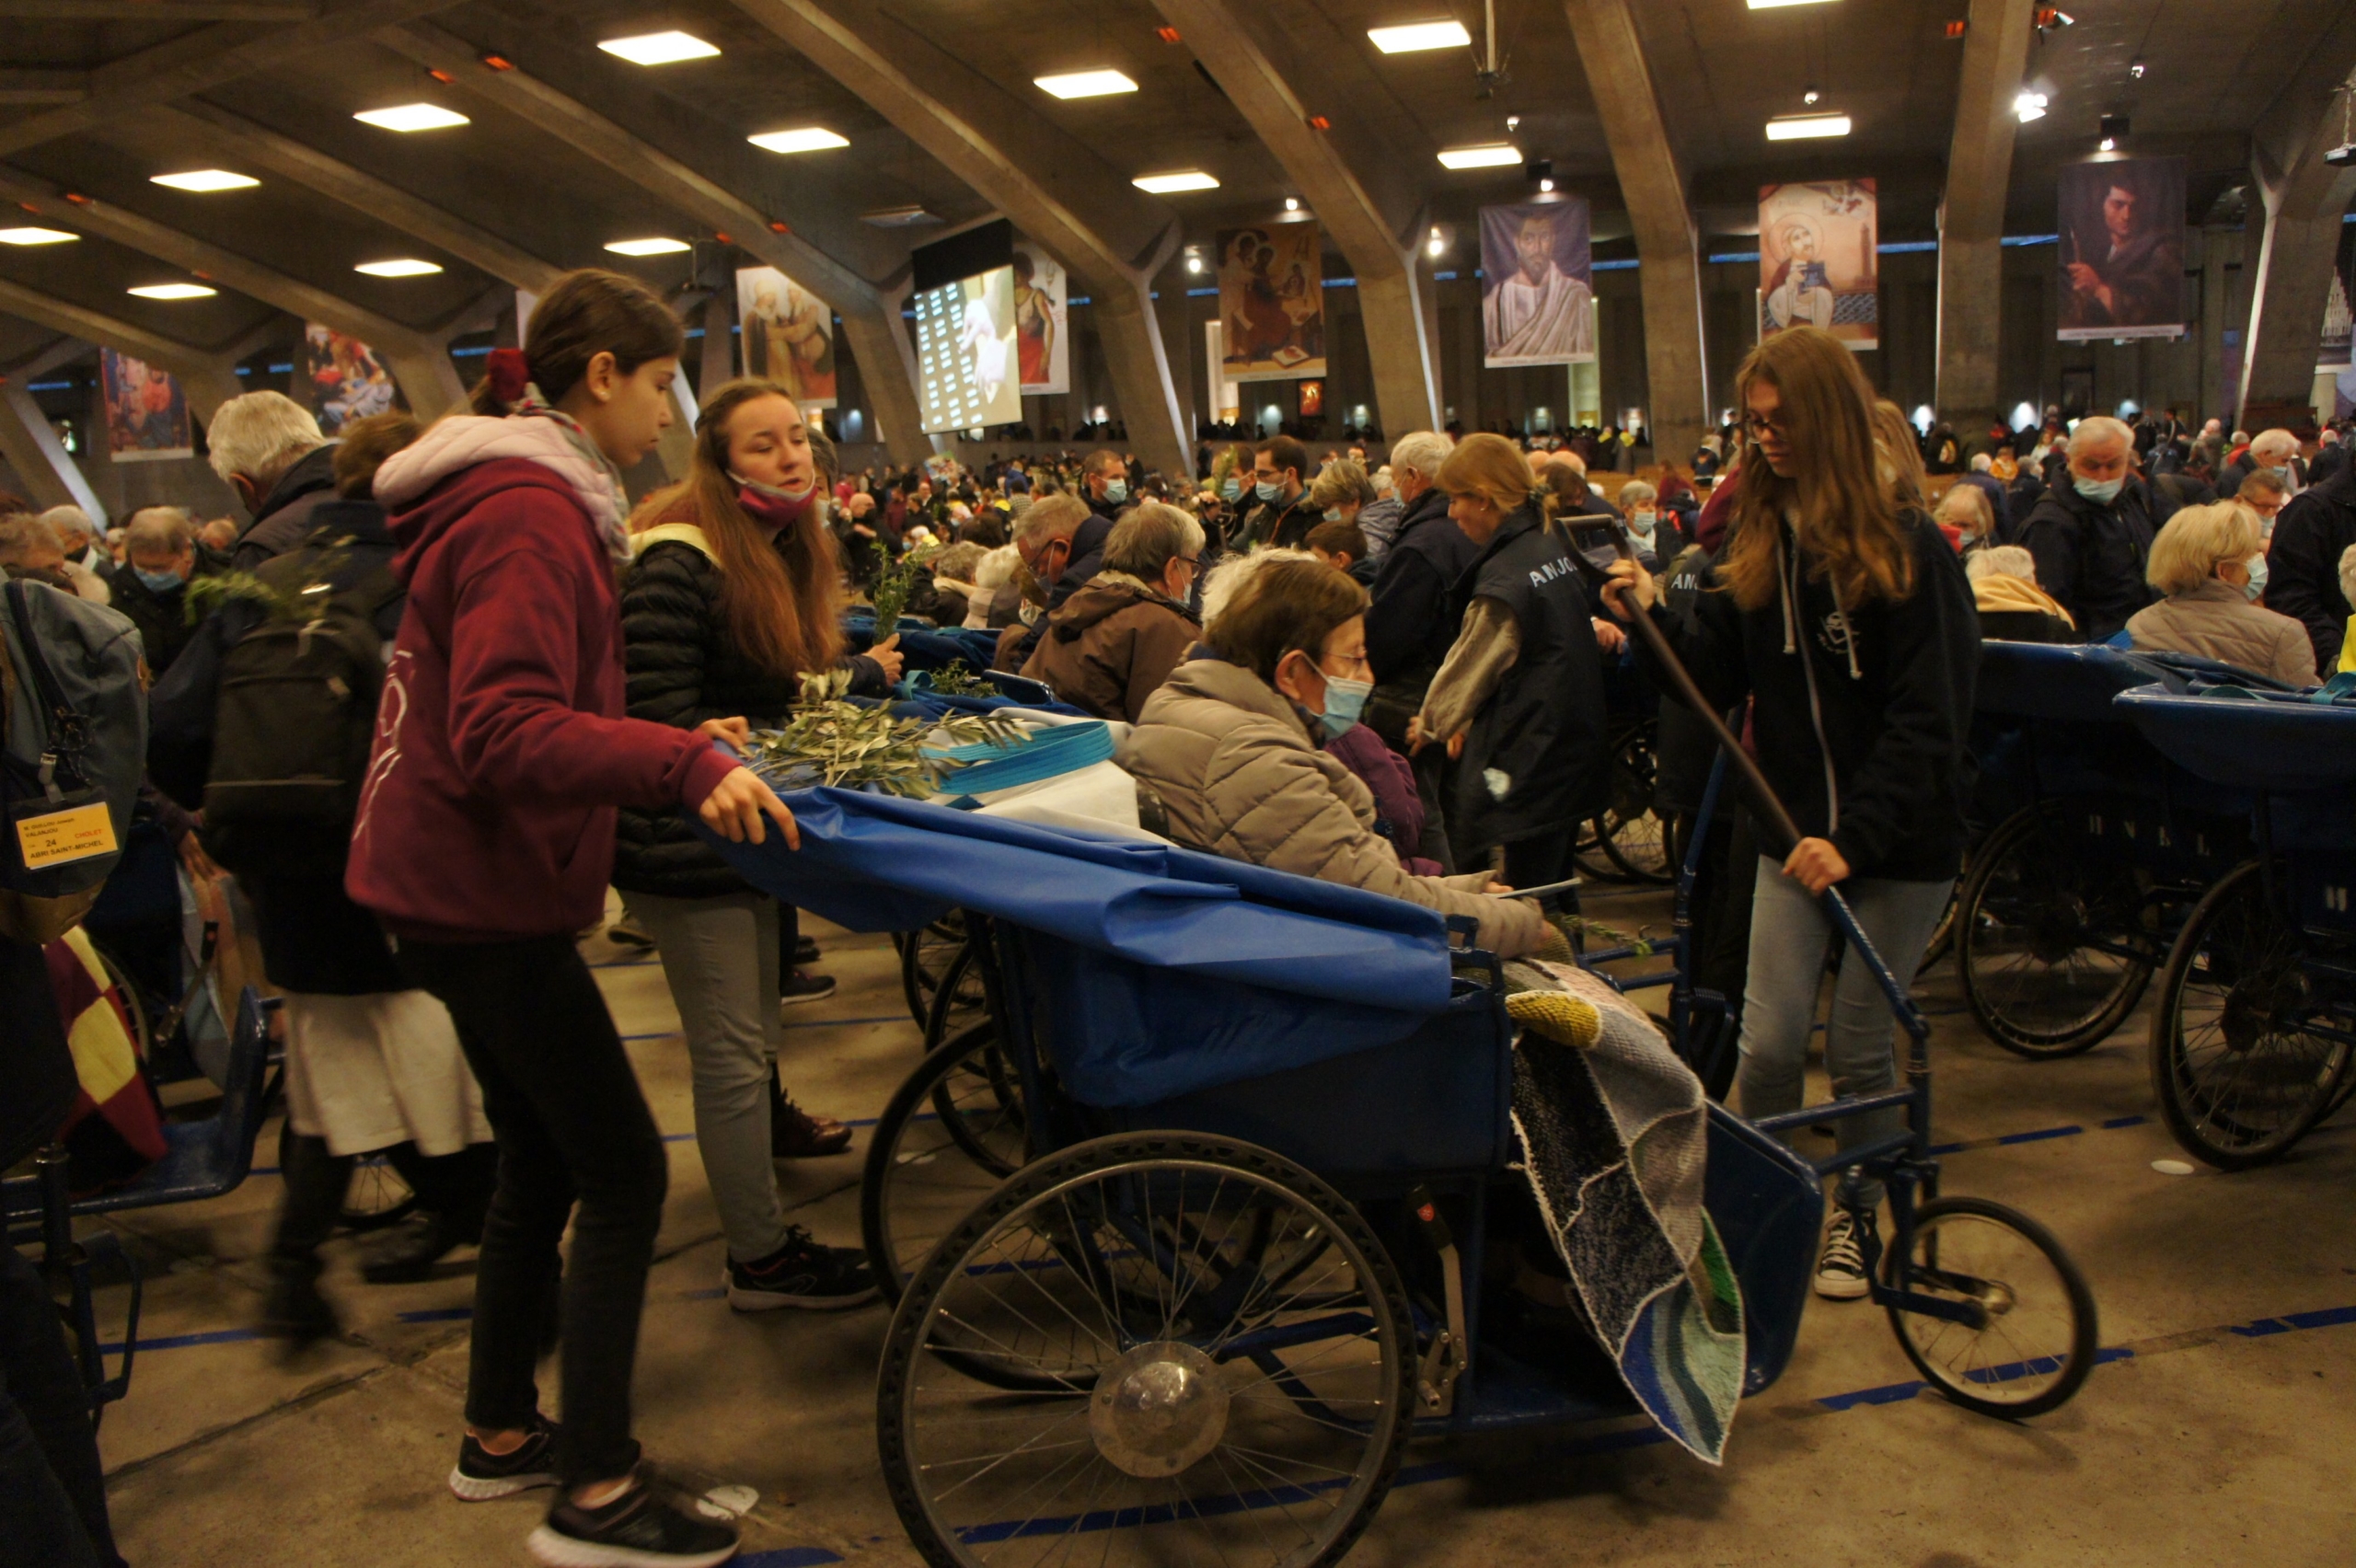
(40, 459)
(1180, 347)
(1971, 212)
(1652, 182)
(2290, 280)
(426, 378)
(719, 341)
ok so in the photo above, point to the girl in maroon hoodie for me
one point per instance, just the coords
(485, 839)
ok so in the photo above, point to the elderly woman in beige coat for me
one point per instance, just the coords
(1231, 744)
(2204, 560)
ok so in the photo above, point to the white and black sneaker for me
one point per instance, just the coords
(1840, 1274)
(481, 1475)
(637, 1530)
(804, 1274)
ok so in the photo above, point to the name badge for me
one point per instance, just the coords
(61, 837)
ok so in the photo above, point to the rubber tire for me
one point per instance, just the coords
(1636, 742)
(2085, 1329)
(900, 1345)
(2181, 1124)
(917, 980)
(912, 1099)
(358, 1221)
(941, 1004)
(2036, 1045)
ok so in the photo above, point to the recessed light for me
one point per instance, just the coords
(205, 179)
(1494, 155)
(1292, 203)
(410, 117)
(650, 246)
(36, 237)
(658, 49)
(1194, 262)
(2028, 105)
(2135, 69)
(173, 290)
(1414, 36)
(1545, 185)
(1779, 5)
(1182, 179)
(801, 139)
(401, 267)
(1084, 83)
(1800, 127)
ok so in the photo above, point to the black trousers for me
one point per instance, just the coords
(1541, 858)
(573, 1128)
(53, 1493)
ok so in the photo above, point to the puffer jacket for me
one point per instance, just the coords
(1112, 645)
(1236, 764)
(2216, 620)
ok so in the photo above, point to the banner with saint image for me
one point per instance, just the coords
(1537, 284)
(340, 379)
(2122, 273)
(788, 333)
(1272, 299)
(146, 410)
(1042, 321)
(1819, 259)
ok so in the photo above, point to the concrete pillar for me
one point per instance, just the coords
(719, 363)
(1180, 347)
(40, 459)
(1652, 185)
(2290, 279)
(427, 377)
(1972, 211)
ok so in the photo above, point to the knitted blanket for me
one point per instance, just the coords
(1613, 1130)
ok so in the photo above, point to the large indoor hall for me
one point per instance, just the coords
(1434, 783)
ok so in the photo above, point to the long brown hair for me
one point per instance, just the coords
(784, 601)
(1847, 521)
(584, 314)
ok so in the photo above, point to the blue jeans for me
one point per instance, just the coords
(1789, 932)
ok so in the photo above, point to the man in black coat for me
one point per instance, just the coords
(2091, 531)
(162, 559)
(2275, 449)
(1409, 626)
(2303, 563)
(267, 448)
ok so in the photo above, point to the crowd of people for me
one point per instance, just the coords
(1389, 675)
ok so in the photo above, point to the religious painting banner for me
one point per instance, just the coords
(789, 335)
(1819, 251)
(2121, 226)
(1042, 321)
(1537, 284)
(146, 411)
(1272, 299)
(340, 379)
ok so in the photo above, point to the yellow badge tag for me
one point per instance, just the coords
(61, 837)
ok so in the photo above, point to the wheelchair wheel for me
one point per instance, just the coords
(1942, 942)
(953, 1131)
(923, 955)
(958, 1000)
(2243, 1055)
(377, 1196)
(2052, 949)
(1632, 837)
(2034, 1342)
(1221, 1353)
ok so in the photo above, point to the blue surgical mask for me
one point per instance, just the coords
(2256, 583)
(1229, 490)
(2280, 473)
(1643, 521)
(158, 581)
(1117, 490)
(2104, 492)
(1332, 514)
(1345, 700)
(1269, 490)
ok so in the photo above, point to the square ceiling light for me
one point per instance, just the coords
(1801, 127)
(36, 237)
(801, 139)
(658, 49)
(204, 181)
(1084, 83)
(650, 246)
(400, 266)
(1175, 181)
(1779, 5)
(1494, 155)
(1415, 36)
(173, 290)
(410, 117)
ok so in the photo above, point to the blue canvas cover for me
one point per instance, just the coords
(2254, 740)
(1165, 971)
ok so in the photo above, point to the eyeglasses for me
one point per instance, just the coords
(1760, 429)
(1355, 661)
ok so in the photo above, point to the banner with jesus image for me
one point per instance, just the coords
(1537, 284)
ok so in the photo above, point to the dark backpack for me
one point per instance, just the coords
(293, 717)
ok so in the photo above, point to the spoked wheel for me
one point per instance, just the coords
(1220, 1354)
(2026, 1340)
(1633, 837)
(1942, 941)
(134, 1006)
(958, 999)
(2244, 1057)
(2054, 952)
(378, 1194)
(924, 954)
(953, 1131)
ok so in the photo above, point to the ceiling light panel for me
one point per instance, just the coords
(1802, 127)
(1172, 183)
(650, 246)
(1779, 5)
(204, 181)
(1417, 36)
(173, 290)
(399, 267)
(658, 49)
(1496, 154)
(36, 237)
(801, 139)
(1084, 83)
(410, 117)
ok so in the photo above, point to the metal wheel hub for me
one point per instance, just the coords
(2056, 928)
(1158, 1409)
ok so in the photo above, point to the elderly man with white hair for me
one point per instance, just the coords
(2091, 531)
(1411, 623)
(2274, 452)
(267, 448)
(1981, 476)
(78, 537)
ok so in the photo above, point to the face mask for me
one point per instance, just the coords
(769, 505)
(1269, 491)
(1345, 700)
(2280, 473)
(1228, 490)
(2256, 583)
(1643, 523)
(2104, 492)
(158, 581)
(1117, 490)
(1332, 514)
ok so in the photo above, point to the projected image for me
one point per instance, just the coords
(965, 354)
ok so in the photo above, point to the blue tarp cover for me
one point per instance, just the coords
(1163, 970)
(2252, 740)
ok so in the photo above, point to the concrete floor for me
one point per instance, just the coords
(2227, 1437)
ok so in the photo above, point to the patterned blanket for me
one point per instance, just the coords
(1615, 1130)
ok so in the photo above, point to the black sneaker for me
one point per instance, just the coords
(805, 949)
(804, 987)
(637, 1530)
(1841, 1270)
(481, 1475)
(293, 1311)
(802, 1274)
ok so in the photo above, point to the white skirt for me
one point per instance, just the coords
(368, 1072)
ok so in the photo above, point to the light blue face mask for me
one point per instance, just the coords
(1332, 514)
(1269, 490)
(1228, 490)
(1345, 700)
(2256, 583)
(1117, 490)
(2102, 491)
(158, 581)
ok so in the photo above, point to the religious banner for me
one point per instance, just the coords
(1818, 267)
(2339, 314)
(789, 335)
(1042, 321)
(2122, 273)
(340, 379)
(1537, 284)
(146, 411)
(1272, 300)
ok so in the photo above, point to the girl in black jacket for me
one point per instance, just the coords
(1848, 623)
(734, 592)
